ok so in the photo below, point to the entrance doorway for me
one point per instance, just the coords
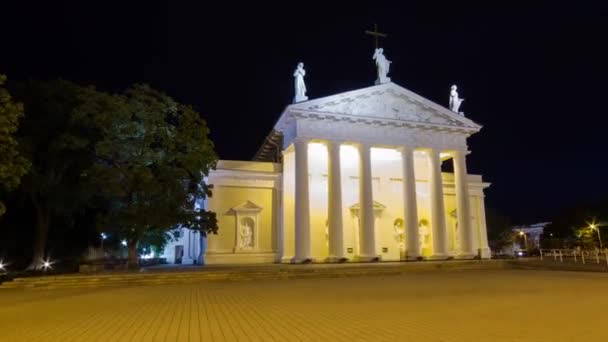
(179, 254)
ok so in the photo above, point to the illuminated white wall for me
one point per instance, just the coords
(317, 178)
(387, 187)
(288, 228)
(349, 163)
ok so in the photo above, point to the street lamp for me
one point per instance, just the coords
(103, 238)
(595, 227)
(47, 264)
(521, 233)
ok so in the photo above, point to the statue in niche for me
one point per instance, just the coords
(455, 100)
(456, 239)
(399, 232)
(300, 86)
(423, 234)
(246, 234)
(383, 66)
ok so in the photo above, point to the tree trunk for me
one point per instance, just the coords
(133, 259)
(43, 218)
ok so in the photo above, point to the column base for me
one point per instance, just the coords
(336, 260)
(368, 258)
(484, 253)
(412, 257)
(295, 260)
(438, 257)
(465, 256)
(286, 260)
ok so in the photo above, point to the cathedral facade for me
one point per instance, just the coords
(353, 177)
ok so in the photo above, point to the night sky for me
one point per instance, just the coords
(534, 75)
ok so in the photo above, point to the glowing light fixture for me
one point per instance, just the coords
(124, 243)
(2, 266)
(103, 236)
(147, 256)
(47, 264)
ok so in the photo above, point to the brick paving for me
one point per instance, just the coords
(454, 305)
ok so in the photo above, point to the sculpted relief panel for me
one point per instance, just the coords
(386, 104)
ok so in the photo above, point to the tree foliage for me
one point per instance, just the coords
(152, 156)
(58, 147)
(499, 227)
(570, 227)
(12, 164)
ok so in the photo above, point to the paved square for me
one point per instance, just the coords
(456, 305)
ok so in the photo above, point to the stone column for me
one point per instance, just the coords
(440, 243)
(334, 198)
(410, 207)
(302, 204)
(484, 249)
(463, 204)
(367, 243)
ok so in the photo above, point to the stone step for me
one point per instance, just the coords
(236, 274)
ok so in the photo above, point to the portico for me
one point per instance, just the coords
(385, 145)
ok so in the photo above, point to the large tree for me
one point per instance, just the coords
(58, 147)
(500, 233)
(12, 164)
(152, 156)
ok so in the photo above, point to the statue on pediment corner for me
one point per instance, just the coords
(299, 85)
(455, 100)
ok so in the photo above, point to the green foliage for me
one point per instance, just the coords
(153, 240)
(570, 228)
(59, 148)
(152, 156)
(12, 164)
(137, 160)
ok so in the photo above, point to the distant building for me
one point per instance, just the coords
(532, 233)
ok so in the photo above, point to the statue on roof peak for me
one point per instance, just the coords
(383, 66)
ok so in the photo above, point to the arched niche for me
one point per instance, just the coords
(247, 223)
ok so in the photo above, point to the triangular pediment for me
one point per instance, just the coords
(247, 206)
(386, 101)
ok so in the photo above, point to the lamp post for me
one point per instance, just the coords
(521, 233)
(595, 227)
(103, 238)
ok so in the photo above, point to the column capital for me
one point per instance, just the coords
(406, 148)
(332, 142)
(301, 140)
(453, 153)
(362, 145)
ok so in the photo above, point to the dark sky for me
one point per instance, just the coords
(534, 73)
